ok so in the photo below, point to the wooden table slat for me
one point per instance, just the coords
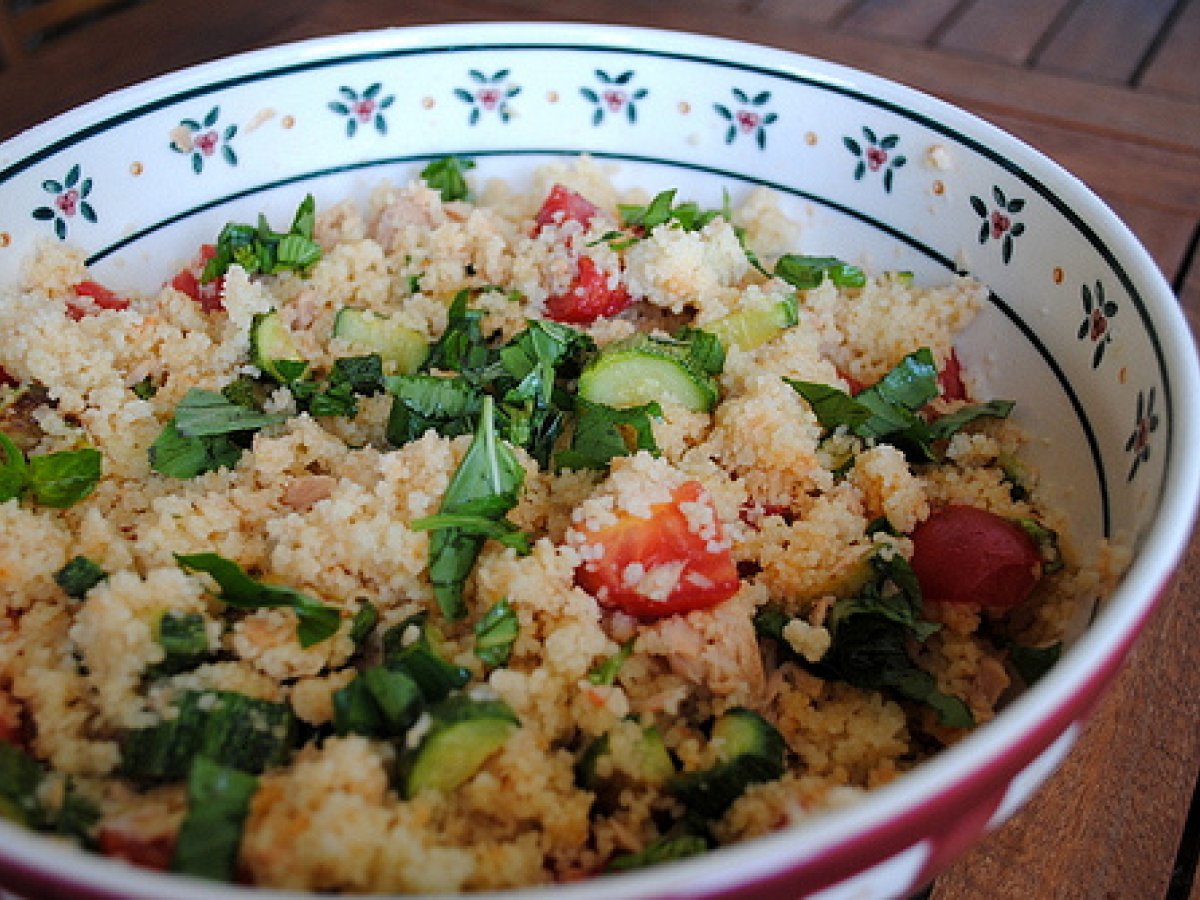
(1172, 69)
(1007, 32)
(1105, 41)
(914, 21)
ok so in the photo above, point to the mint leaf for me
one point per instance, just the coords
(447, 175)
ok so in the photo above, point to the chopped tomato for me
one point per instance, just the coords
(664, 564)
(564, 205)
(7, 380)
(963, 554)
(590, 297)
(207, 294)
(853, 386)
(148, 851)
(950, 379)
(101, 297)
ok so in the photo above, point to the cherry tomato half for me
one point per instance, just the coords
(963, 554)
(590, 297)
(564, 205)
(658, 566)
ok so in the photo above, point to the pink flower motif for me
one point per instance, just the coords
(876, 158)
(747, 120)
(1099, 325)
(614, 100)
(364, 110)
(1000, 224)
(206, 143)
(67, 202)
(489, 97)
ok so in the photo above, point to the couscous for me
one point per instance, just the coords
(475, 539)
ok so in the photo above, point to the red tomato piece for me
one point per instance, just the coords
(148, 851)
(589, 297)
(101, 297)
(659, 566)
(207, 294)
(950, 379)
(963, 554)
(564, 205)
(7, 380)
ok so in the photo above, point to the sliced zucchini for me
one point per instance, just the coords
(642, 370)
(639, 755)
(273, 350)
(753, 327)
(402, 349)
(462, 735)
(749, 750)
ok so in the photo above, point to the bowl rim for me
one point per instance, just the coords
(1093, 658)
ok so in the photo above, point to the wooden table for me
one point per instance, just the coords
(1107, 87)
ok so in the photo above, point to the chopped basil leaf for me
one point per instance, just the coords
(421, 659)
(244, 391)
(603, 432)
(79, 576)
(704, 349)
(204, 413)
(606, 671)
(211, 832)
(478, 525)
(888, 410)
(662, 210)
(447, 175)
(495, 634)
(205, 433)
(363, 623)
(807, 272)
(184, 639)
(379, 702)
(449, 406)
(14, 474)
(78, 816)
(20, 777)
(662, 850)
(260, 250)
(486, 482)
(462, 346)
(317, 622)
(58, 479)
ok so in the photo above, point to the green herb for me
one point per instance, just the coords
(704, 349)
(871, 635)
(379, 702)
(421, 659)
(665, 849)
(79, 576)
(1031, 663)
(662, 210)
(495, 634)
(244, 391)
(204, 413)
(889, 409)
(606, 672)
(603, 432)
(317, 622)
(210, 835)
(807, 272)
(447, 175)
(479, 525)
(20, 777)
(448, 406)
(206, 433)
(228, 728)
(145, 389)
(78, 816)
(58, 479)
(349, 378)
(462, 346)
(363, 623)
(184, 639)
(260, 250)
(486, 483)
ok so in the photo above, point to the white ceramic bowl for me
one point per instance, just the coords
(877, 173)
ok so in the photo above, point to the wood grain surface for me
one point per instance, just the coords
(1108, 88)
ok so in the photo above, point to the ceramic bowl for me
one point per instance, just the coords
(1081, 328)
